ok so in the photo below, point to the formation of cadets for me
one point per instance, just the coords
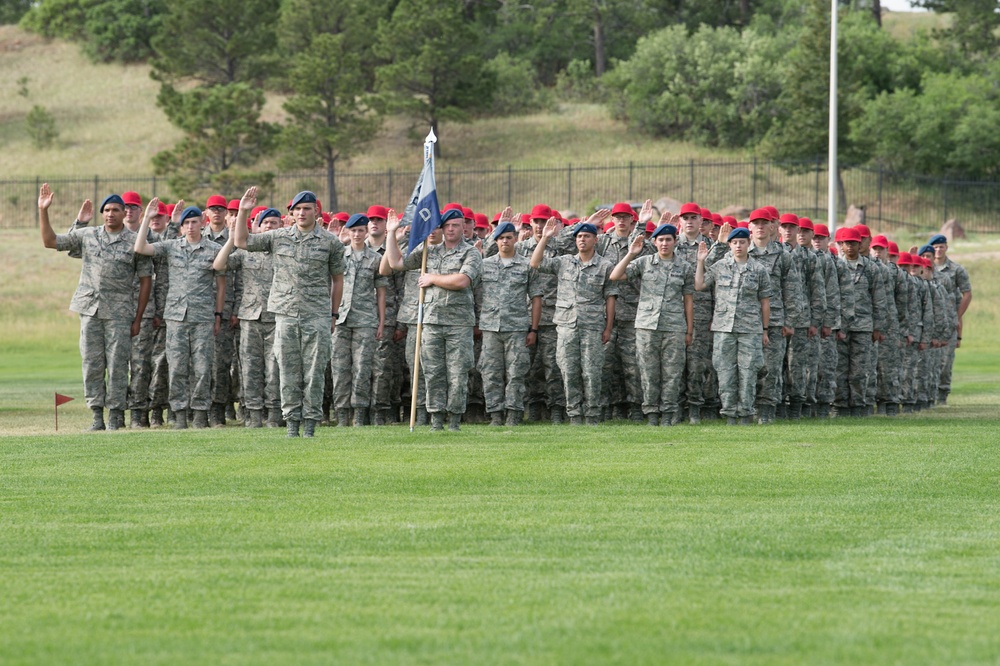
(304, 318)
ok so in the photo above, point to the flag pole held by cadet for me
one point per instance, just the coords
(426, 217)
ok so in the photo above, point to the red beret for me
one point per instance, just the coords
(622, 208)
(847, 234)
(790, 218)
(496, 218)
(319, 206)
(131, 198)
(822, 231)
(760, 214)
(805, 223)
(378, 211)
(772, 211)
(833, 250)
(525, 218)
(161, 209)
(893, 249)
(730, 220)
(170, 208)
(468, 214)
(650, 227)
(706, 214)
(217, 200)
(571, 221)
(326, 217)
(904, 259)
(541, 212)
(234, 204)
(880, 241)
(340, 217)
(863, 230)
(690, 208)
(716, 219)
(451, 206)
(608, 226)
(743, 225)
(482, 222)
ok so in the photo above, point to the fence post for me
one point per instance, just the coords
(692, 181)
(154, 186)
(754, 196)
(880, 168)
(97, 187)
(630, 168)
(819, 165)
(510, 184)
(944, 193)
(569, 186)
(390, 187)
(449, 182)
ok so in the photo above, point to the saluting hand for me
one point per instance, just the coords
(724, 231)
(551, 227)
(175, 217)
(597, 219)
(646, 214)
(44, 197)
(86, 213)
(637, 245)
(151, 208)
(506, 215)
(249, 199)
(702, 251)
(392, 221)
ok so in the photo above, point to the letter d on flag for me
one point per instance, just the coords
(427, 213)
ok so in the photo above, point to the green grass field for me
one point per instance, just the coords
(840, 542)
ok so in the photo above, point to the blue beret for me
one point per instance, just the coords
(504, 228)
(356, 220)
(668, 229)
(268, 212)
(585, 228)
(111, 198)
(303, 197)
(453, 214)
(739, 232)
(190, 211)
(937, 239)
(926, 248)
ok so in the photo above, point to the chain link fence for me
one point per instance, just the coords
(891, 200)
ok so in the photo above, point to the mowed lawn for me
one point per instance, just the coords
(842, 542)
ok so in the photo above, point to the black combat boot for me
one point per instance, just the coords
(98, 423)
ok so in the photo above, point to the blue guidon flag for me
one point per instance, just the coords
(426, 210)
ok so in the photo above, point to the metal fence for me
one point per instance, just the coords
(891, 200)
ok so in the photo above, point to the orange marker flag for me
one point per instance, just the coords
(60, 400)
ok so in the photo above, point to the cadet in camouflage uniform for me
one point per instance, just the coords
(621, 360)
(803, 347)
(957, 286)
(509, 316)
(946, 322)
(453, 269)
(742, 288)
(167, 228)
(107, 322)
(890, 356)
(839, 282)
(918, 316)
(863, 330)
(388, 374)
(308, 279)
(545, 383)
(819, 392)
(225, 342)
(585, 315)
(699, 352)
(259, 366)
(360, 324)
(664, 320)
(192, 313)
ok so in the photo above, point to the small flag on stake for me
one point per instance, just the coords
(60, 400)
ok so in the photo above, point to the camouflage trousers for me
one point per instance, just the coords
(664, 356)
(770, 379)
(387, 370)
(932, 372)
(503, 365)
(580, 355)
(475, 394)
(105, 347)
(908, 373)
(190, 348)
(801, 366)
(259, 367)
(411, 350)
(141, 366)
(853, 367)
(225, 345)
(621, 366)
(351, 366)
(445, 359)
(302, 347)
(871, 388)
(159, 383)
(947, 362)
(889, 367)
(699, 363)
(826, 376)
(236, 370)
(545, 382)
(738, 358)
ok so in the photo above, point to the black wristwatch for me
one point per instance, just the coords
(218, 314)
(532, 330)
(335, 314)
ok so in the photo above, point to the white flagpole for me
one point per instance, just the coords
(831, 190)
(428, 155)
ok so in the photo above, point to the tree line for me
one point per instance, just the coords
(749, 74)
